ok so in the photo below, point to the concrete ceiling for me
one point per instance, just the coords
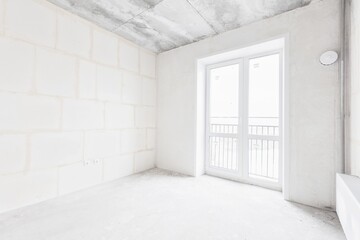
(161, 25)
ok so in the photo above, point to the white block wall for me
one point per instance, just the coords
(77, 104)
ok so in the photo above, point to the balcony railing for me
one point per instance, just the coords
(263, 149)
(224, 128)
(263, 155)
(252, 129)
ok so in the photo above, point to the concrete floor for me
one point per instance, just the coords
(160, 205)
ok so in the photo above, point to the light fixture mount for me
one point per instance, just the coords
(328, 58)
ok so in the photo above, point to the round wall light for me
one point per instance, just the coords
(328, 58)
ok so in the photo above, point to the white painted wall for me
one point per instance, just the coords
(354, 76)
(348, 204)
(70, 94)
(314, 98)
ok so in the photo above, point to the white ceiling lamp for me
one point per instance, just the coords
(328, 58)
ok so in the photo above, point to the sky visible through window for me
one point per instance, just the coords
(263, 91)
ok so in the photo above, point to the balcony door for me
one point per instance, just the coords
(244, 120)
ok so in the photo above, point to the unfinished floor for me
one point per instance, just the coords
(160, 205)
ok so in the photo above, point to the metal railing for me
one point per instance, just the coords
(261, 130)
(224, 128)
(224, 152)
(263, 149)
(263, 158)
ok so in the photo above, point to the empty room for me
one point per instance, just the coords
(179, 119)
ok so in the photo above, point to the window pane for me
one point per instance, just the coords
(224, 99)
(264, 115)
(264, 95)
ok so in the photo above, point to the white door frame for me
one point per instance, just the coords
(242, 174)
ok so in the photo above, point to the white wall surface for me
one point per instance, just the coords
(77, 104)
(354, 76)
(348, 204)
(314, 98)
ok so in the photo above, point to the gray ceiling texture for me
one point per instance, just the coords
(161, 25)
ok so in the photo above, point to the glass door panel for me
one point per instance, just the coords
(264, 117)
(224, 117)
(244, 117)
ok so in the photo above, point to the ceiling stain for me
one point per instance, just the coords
(161, 25)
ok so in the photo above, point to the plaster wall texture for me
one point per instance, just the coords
(77, 104)
(314, 98)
